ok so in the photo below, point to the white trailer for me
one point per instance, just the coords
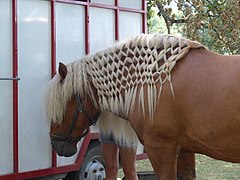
(34, 36)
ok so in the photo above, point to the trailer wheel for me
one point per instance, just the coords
(93, 166)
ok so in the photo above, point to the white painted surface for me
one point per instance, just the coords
(70, 32)
(134, 4)
(70, 45)
(6, 101)
(130, 24)
(102, 31)
(34, 70)
(108, 2)
(34, 41)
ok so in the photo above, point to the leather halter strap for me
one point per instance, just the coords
(79, 109)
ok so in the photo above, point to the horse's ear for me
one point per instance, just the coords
(62, 70)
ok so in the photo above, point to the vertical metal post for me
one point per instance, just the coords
(144, 17)
(53, 59)
(53, 39)
(15, 85)
(117, 21)
(87, 30)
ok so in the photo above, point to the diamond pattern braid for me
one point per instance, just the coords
(120, 72)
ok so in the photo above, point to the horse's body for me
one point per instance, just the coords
(203, 118)
(205, 113)
(197, 108)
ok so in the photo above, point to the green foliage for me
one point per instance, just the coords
(215, 23)
(155, 23)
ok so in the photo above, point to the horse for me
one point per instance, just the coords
(178, 97)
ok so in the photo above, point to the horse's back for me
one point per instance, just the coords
(207, 86)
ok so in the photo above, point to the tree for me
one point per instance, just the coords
(215, 23)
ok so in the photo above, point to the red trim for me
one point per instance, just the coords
(131, 10)
(15, 85)
(142, 156)
(144, 17)
(87, 30)
(56, 170)
(41, 173)
(94, 135)
(103, 6)
(53, 59)
(53, 39)
(72, 2)
(84, 147)
(116, 21)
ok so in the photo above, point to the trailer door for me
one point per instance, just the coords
(34, 53)
(6, 89)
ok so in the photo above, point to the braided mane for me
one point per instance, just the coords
(118, 73)
(123, 68)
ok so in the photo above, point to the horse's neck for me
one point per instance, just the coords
(94, 98)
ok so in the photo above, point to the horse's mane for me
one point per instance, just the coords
(120, 72)
(117, 72)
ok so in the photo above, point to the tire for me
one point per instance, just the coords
(93, 166)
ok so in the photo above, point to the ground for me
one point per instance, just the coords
(206, 169)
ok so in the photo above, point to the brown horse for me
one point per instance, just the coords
(179, 97)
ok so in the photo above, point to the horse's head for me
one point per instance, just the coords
(76, 115)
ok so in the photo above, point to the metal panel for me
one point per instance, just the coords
(130, 24)
(101, 29)
(70, 33)
(6, 101)
(70, 41)
(108, 2)
(135, 4)
(34, 70)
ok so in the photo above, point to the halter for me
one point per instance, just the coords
(79, 109)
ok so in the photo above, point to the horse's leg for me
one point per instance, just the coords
(186, 166)
(163, 159)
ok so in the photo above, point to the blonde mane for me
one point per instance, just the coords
(117, 73)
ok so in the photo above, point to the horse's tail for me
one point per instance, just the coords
(121, 129)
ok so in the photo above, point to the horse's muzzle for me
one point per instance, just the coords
(64, 148)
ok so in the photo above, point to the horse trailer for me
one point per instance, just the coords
(35, 35)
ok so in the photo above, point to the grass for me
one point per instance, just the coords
(206, 169)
